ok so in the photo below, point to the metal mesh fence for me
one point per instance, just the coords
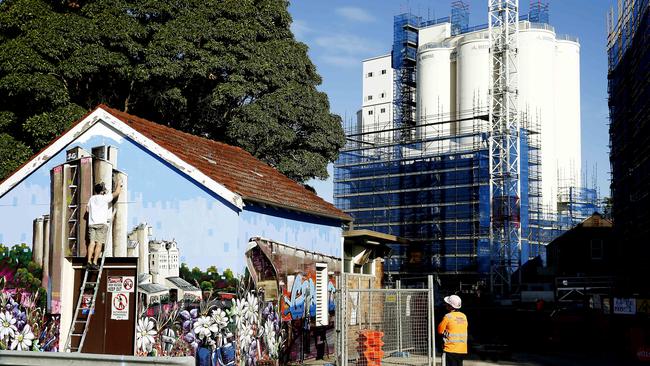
(385, 326)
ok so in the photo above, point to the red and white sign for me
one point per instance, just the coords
(120, 284)
(120, 306)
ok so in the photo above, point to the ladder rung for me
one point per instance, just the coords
(80, 321)
(77, 334)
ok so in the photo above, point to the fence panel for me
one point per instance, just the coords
(385, 326)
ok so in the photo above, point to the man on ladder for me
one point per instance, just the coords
(98, 215)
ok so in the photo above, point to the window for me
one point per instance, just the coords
(383, 72)
(370, 74)
(370, 113)
(596, 249)
(369, 97)
(383, 110)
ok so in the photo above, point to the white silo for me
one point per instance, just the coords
(434, 94)
(536, 85)
(472, 82)
(567, 110)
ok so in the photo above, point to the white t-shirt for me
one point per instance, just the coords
(98, 208)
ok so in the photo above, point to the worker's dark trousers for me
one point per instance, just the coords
(452, 359)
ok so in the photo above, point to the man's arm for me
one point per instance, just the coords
(118, 190)
(443, 325)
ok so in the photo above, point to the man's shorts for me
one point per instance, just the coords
(97, 233)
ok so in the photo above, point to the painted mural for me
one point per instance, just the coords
(190, 243)
(240, 330)
(24, 324)
(299, 296)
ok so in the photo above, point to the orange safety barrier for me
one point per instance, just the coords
(370, 344)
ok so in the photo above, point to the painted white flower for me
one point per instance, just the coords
(252, 311)
(272, 341)
(268, 329)
(204, 327)
(145, 334)
(272, 345)
(7, 324)
(23, 340)
(245, 338)
(237, 311)
(220, 319)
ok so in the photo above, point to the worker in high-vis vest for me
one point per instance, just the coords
(453, 329)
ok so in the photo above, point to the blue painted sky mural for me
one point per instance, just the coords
(208, 229)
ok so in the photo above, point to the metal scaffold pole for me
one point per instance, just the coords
(505, 228)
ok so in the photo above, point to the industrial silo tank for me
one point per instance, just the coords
(567, 110)
(536, 85)
(434, 94)
(472, 84)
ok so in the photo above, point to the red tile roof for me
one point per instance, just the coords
(234, 168)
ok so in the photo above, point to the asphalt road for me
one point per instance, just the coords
(557, 360)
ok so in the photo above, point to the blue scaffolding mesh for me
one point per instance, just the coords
(440, 200)
(538, 11)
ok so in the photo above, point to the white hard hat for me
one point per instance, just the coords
(454, 301)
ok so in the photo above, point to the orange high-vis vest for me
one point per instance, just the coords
(453, 328)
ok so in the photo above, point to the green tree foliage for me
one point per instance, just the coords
(229, 70)
(210, 280)
(23, 272)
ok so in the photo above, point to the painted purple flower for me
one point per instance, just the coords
(189, 338)
(189, 318)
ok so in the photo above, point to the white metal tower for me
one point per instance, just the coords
(505, 228)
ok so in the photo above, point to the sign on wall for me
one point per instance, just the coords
(624, 306)
(120, 306)
(120, 284)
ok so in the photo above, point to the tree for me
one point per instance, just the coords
(229, 70)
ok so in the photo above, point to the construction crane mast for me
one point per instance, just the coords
(504, 144)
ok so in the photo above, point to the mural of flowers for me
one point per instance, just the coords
(24, 326)
(241, 331)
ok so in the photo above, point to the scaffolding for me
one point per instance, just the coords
(405, 48)
(464, 187)
(629, 132)
(538, 11)
(505, 188)
(433, 190)
(459, 17)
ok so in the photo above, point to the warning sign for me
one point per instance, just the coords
(120, 284)
(85, 303)
(120, 306)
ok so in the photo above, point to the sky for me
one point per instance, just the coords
(341, 33)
